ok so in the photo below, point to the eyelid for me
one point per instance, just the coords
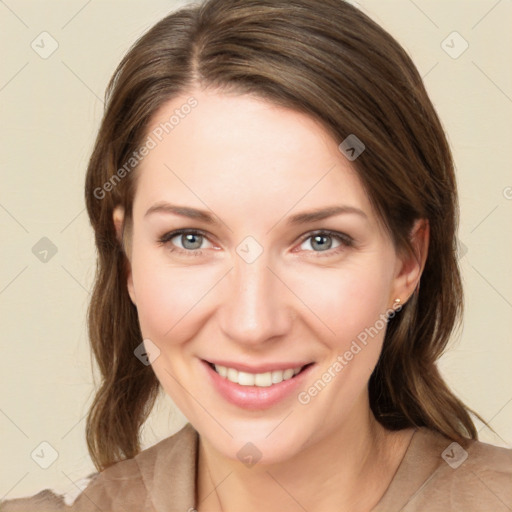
(176, 232)
(345, 240)
(329, 232)
(167, 237)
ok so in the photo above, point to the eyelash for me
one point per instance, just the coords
(345, 241)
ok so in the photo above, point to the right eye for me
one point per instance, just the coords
(190, 240)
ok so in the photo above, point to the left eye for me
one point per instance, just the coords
(322, 241)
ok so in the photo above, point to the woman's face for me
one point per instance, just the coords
(258, 284)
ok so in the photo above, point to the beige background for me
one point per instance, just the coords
(51, 108)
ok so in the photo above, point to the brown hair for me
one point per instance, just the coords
(327, 59)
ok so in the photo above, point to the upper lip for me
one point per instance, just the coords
(259, 368)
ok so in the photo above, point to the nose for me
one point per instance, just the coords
(256, 306)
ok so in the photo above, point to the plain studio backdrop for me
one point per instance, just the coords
(57, 60)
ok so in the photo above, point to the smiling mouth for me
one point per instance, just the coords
(266, 379)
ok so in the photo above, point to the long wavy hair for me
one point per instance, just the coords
(329, 60)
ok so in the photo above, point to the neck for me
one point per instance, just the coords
(349, 469)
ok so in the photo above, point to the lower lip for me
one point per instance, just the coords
(255, 397)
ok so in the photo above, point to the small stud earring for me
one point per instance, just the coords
(397, 302)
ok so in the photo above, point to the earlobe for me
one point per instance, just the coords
(413, 263)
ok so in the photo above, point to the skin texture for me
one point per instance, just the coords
(252, 165)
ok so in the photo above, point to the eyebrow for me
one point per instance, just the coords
(208, 218)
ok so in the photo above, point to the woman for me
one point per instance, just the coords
(275, 210)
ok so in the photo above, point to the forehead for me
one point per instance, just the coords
(247, 152)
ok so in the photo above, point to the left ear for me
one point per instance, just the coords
(410, 265)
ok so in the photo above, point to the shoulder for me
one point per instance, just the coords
(157, 476)
(127, 485)
(46, 500)
(487, 471)
(476, 477)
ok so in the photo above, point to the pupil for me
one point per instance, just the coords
(185, 239)
(321, 245)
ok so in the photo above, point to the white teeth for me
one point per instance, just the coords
(256, 379)
(245, 379)
(277, 376)
(223, 371)
(288, 374)
(263, 379)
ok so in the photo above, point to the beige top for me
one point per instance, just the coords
(434, 475)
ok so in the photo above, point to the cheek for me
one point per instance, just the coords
(345, 300)
(168, 298)
(351, 301)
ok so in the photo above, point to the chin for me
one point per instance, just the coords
(260, 440)
(261, 450)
